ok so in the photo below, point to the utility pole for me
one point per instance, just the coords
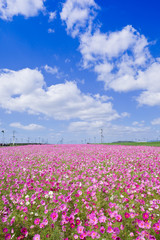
(101, 135)
(13, 138)
(3, 137)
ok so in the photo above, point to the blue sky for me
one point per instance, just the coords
(70, 68)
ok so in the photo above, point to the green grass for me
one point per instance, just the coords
(152, 144)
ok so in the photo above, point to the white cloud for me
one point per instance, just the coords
(30, 127)
(54, 71)
(138, 124)
(125, 114)
(51, 70)
(156, 121)
(52, 16)
(121, 59)
(103, 97)
(116, 57)
(27, 8)
(149, 98)
(77, 14)
(25, 90)
(123, 62)
(85, 126)
(51, 30)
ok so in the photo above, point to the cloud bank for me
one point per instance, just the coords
(26, 91)
(27, 8)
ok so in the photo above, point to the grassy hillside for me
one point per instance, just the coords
(153, 144)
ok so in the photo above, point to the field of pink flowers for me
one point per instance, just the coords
(80, 192)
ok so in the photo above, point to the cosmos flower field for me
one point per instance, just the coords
(67, 192)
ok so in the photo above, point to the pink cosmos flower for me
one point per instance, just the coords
(79, 192)
(145, 216)
(131, 234)
(7, 236)
(116, 230)
(78, 221)
(63, 228)
(24, 232)
(114, 236)
(132, 214)
(54, 216)
(151, 237)
(147, 225)
(102, 229)
(119, 218)
(80, 229)
(156, 226)
(93, 220)
(141, 224)
(42, 202)
(36, 237)
(63, 207)
(75, 236)
(45, 221)
(42, 225)
(122, 227)
(36, 221)
(82, 235)
(93, 234)
(127, 215)
(102, 219)
(110, 229)
(72, 225)
(5, 230)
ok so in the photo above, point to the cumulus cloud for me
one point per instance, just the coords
(123, 62)
(52, 16)
(52, 70)
(116, 57)
(26, 90)
(27, 8)
(121, 59)
(30, 127)
(156, 121)
(77, 14)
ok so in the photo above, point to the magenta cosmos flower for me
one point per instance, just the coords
(7, 236)
(36, 221)
(36, 237)
(119, 218)
(72, 225)
(54, 216)
(127, 215)
(110, 229)
(145, 216)
(24, 231)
